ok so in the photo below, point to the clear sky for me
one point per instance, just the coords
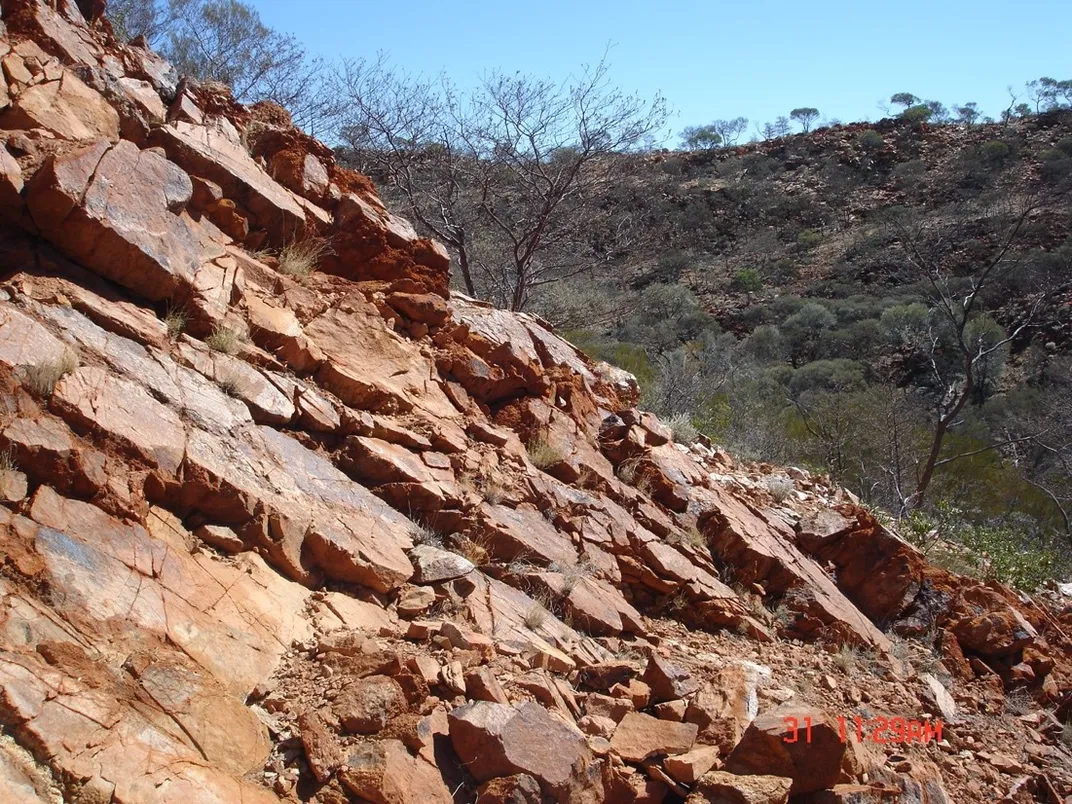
(713, 59)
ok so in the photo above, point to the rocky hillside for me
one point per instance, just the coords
(270, 533)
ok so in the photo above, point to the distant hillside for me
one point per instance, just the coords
(786, 301)
(807, 214)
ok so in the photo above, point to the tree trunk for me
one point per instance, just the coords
(940, 431)
(463, 265)
(517, 303)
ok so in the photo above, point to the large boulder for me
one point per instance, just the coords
(215, 152)
(495, 740)
(781, 743)
(66, 107)
(119, 211)
(386, 773)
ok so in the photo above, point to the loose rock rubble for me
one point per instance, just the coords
(267, 538)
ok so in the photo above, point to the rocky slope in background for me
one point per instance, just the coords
(350, 537)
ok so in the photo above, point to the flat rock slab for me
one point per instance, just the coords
(118, 211)
(235, 624)
(719, 787)
(641, 736)
(433, 565)
(92, 399)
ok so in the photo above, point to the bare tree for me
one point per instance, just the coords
(957, 341)
(1041, 441)
(226, 41)
(150, 20)
(730, 130)
(513, 176)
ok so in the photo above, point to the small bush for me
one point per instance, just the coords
(870, 140)
(683, 431)
(543, 454)
(779, 488)
(781, 272)
(920, 113)
(981, 551)
(671, 266)
(747, 280)
(41, 379)
(7, 462)
(809, 238)
(1056, 164)
(224, 340)
(300, 258)
(994, 152)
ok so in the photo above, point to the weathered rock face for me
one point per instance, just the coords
(797, 743)
(118, 211)
(352, 537)
(497, 740)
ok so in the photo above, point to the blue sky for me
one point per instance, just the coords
(755, 59)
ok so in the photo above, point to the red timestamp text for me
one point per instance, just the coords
(880, 730)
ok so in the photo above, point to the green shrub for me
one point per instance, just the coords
(995, 152)
(681, 426)
(1055, 164)
(809, 238)
(840, 375)
(908, 175)
(671, 266)
(781, 272)
(988, 552)
(920, 113)
(747, 280)
(870, 140)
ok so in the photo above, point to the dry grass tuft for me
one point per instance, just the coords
(300, 258)
(224, 340)
(542, 454)
(474, 549)
(688, 536)
(175, 320)
(41, 379)
(536, 616)
(229, 383)
(779, 487)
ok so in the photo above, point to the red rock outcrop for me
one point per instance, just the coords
(350, 536)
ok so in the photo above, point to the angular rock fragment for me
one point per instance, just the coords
(641, 736)
(498, 740)
(768, 747)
